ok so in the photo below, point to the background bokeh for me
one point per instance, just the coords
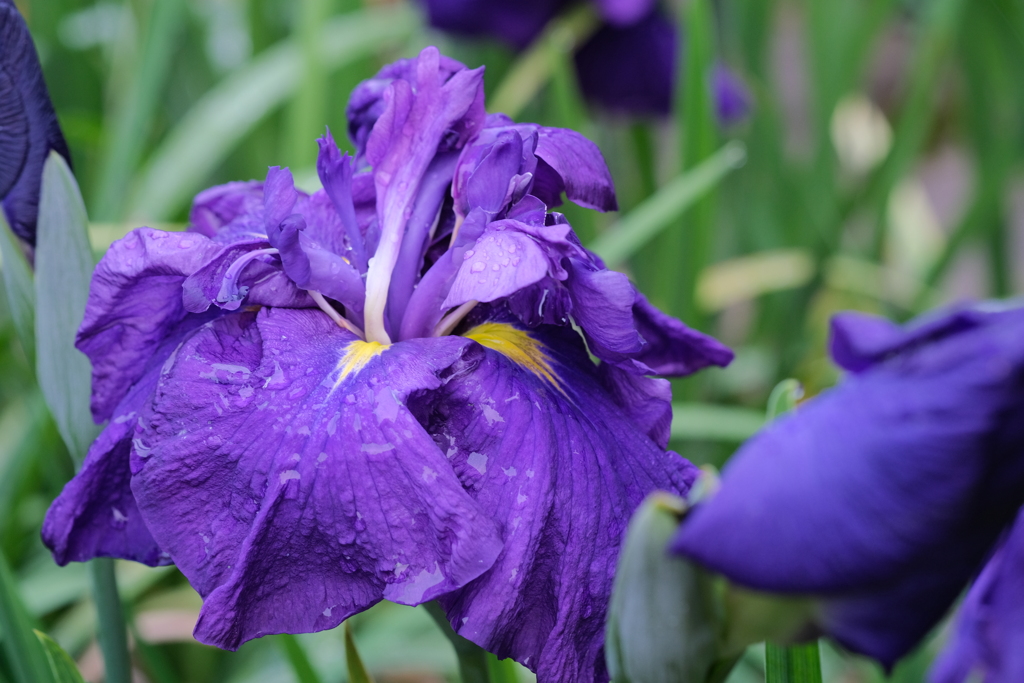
(882, 173)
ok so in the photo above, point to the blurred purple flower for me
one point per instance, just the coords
(28, 124)
(885, 495)
(316, 402)
(628, 65)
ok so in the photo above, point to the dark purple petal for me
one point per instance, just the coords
(672, 348)
(234, 207)
(570, 163)
(732, 98)
(516, 21)
(561, 469)
(884, 494)
(602, 305)
(292, 486)
(28, 125)
(135, 299)
(647, 401)
(96, 514)
(630, 68)
(989, 627)
(279, 199)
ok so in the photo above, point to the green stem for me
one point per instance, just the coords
(473, 660)
(112, 632)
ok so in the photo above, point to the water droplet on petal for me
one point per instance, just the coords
(477, 267)
(495, 267)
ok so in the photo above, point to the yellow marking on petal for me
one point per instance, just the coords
(516, 345)
(357, 354)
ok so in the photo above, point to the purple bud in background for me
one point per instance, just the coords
(885, 495)
(627, 66)
(28, 124)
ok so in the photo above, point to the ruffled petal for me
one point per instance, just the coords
(280, 468)
(96, 514)
(990, 624)
(884, 494)
(232, 208)
(28, 125)
(538, 441)
(570, 163)
(244, 271)
(134, 301)
(672, 348)
(312, 267)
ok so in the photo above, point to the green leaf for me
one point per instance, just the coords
(784, 398)
(714, 423)
(356, 670)
(63, 269)
(663, 209)
(62, 666)
(26, 655)
(133, 117)
(297, 657)
(794, 664)
(19, 285)
(223, 117)
(663, 618)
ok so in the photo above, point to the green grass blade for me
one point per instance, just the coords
(23, 649)
(356, 670)
(625, 238)
(297, 657)
(308, 110)
(18, 283)
(223, 117)
(795, 664)
(714, 423)
(535, 66)
(132, 121)
(62, 666)
(64, 266)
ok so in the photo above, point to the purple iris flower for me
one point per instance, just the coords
(376, 391)
(628, 65)
(885, 495)
(28, 124)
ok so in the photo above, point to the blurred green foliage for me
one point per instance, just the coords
(883, 173)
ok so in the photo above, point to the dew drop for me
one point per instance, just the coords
(477, 267)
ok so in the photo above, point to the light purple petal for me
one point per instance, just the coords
(335, 172)
(312, 267)
(602, 305)
(134, 301)
(561, 473)
(292, 495)
(570, 163)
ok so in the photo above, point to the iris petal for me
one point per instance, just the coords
(293, 494)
